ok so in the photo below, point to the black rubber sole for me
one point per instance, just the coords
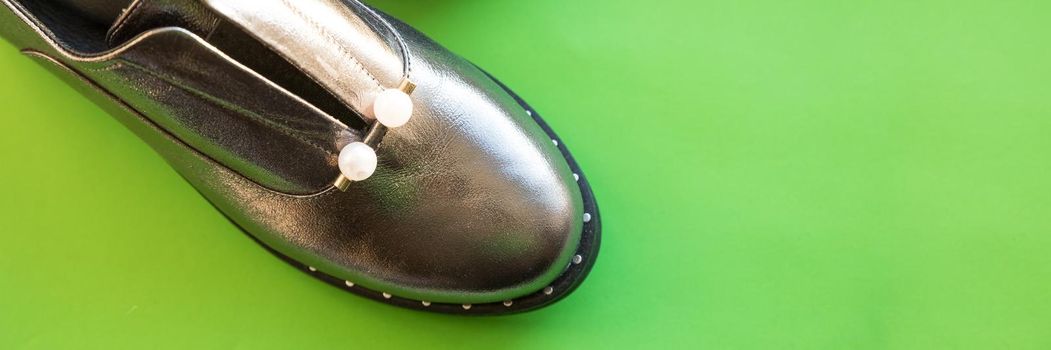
(565, 284)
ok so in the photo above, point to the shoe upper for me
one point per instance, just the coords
(251, 101)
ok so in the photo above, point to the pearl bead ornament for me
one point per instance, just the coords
(392, 108)
(357, 161)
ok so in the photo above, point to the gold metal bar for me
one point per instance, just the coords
(407, 86)
(342, 183)
(375, 134)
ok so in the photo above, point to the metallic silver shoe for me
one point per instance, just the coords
(342, 140)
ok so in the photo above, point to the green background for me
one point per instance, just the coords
(772, 174)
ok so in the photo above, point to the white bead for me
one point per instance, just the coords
(392, 108)
(357, 161)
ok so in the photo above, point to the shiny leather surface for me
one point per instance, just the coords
(472, 203)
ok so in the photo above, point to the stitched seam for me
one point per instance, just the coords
(320, 30)
(279, 126)
(402, 46)
(215, 26)
(125, 18)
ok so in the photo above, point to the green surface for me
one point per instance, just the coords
(804, 174)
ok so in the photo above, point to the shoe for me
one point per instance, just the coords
(340, 139)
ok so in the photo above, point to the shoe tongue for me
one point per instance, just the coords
(144, 15)
(342, 45)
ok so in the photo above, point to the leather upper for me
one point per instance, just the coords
(471, 202)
